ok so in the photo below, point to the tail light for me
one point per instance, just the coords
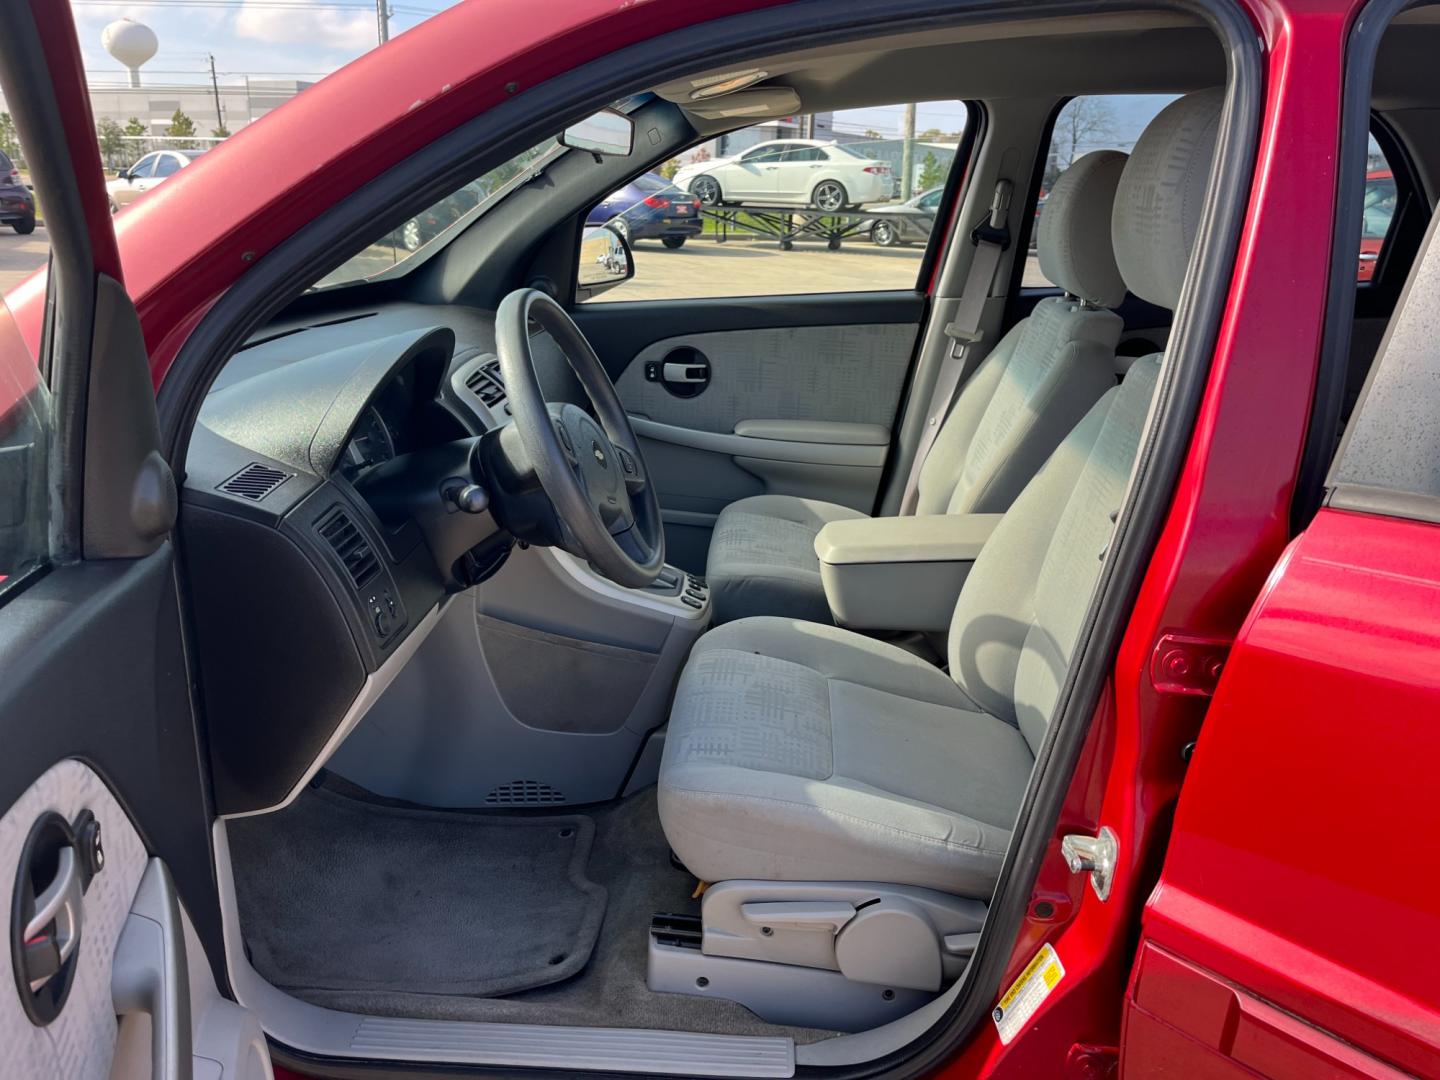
(878, 170)
(657, 201)
(15, 176)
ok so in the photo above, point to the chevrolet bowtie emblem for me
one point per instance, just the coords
(599, 454)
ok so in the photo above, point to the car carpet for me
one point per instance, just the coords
(631, 859)
(342, 895)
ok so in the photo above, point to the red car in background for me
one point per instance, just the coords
(1217, 862)
(1379, 210)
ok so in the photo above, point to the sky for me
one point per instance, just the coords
(288, 39)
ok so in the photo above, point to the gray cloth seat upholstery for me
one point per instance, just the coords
(1031, 389)
(802, 752)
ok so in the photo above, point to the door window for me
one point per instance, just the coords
(762, 154)
(167, 165)
(780, 236)
(144, 168)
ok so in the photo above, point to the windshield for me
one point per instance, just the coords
(441, 218)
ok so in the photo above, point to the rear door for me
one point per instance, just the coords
(105, 870)
(1293, 929)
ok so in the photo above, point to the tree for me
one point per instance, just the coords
(1085, 124)
(134, 128)
(221, 132)
(181, 127)
(111, 137)
(9, 138)
(669, 168)
(932, 173)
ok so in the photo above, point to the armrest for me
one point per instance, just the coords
(902, 573)
(815, 431)
(924, 538)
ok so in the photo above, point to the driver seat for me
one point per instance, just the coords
(802, 752)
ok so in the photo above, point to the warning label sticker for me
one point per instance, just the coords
(1026, 993)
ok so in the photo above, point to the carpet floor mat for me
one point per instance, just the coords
(336, 894)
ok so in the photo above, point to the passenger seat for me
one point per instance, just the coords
(1033, 388)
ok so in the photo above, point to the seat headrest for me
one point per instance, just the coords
(1157, 206)
(1074, 242)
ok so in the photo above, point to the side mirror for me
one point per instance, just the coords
(605, 261)
(607, 133)
(123, 174)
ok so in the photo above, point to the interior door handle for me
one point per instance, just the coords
(685, 373)
(61, 904)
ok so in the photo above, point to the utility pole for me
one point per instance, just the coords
(382, 20)
(215, 89)
(907, 152)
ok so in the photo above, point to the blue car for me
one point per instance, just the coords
(650, 208)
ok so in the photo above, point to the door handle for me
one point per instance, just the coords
(57, 863)
(61, 904)
(685, 373)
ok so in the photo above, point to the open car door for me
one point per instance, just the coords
(104, 852)
(1292, 932)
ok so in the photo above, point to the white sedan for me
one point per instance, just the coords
(150, 170)
(790, 172)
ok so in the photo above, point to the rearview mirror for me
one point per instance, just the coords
(605, 261)
(606, 133)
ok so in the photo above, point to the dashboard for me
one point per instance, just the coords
(305, 578)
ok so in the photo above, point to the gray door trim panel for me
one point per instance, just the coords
(745, 446)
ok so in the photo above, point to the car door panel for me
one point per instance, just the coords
(1296, 872)
(96, 712)
(836, 361)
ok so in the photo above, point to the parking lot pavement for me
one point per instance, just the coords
(20, 256)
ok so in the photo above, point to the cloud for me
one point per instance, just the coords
(304, 26)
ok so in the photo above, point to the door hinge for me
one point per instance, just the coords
(1184, 664)
(1088, 1062)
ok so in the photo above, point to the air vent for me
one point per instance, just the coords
(255, 481)
(485, 383)
(524, 793)
(350, 544)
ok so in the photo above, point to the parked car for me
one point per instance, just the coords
(790, 172)
(650, 208)
(1375, 220)
(433, 220)
(906, 222)
(129, 184)
(17, 204)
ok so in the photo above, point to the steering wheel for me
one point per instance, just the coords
(592, 473)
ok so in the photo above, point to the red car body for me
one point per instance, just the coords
(1286, 934)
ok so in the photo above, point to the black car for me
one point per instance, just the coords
(17, 203)
(906, 222)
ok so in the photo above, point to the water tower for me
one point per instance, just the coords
(130, 42)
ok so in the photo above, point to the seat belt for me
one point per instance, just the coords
(991, 238)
